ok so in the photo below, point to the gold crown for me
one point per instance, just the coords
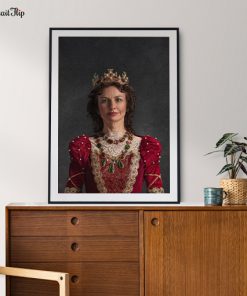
(110, 76)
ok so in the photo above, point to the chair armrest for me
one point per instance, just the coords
(60, 277)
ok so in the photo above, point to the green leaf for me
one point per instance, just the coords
(214, 152)
(226, 168)
(231, 149)
(240, 143)
(244, 158)
(243, 168)
(225, 138)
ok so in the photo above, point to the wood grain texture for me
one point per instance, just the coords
(196, 253)
(192, 250)
(94, 279)
(57, 249)
(58, 223)
(154, 257)
(106, 260)
(141, 253)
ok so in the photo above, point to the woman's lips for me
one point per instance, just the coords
(113, 113)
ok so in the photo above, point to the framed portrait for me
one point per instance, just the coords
(114, 115)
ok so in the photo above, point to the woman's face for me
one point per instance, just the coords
(112, 105)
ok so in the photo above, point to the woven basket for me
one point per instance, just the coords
(236, 190)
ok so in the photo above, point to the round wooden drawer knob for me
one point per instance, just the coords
(74, 279)
(75, 247)
(74, 221)
(155, 222)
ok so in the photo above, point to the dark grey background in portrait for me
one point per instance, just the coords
(146, 61)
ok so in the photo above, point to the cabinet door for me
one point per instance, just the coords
(195, 253)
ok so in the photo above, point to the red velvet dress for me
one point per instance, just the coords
(138, 166)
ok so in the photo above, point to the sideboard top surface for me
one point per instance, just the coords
(114, 207)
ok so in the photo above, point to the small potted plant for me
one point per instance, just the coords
(235, 153)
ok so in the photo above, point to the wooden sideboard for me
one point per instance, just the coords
(130, 251)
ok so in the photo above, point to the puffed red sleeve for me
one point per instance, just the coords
(79, 150)
(150, 150)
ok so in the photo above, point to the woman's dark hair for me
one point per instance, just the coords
(93, 111)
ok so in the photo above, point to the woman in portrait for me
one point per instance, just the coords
(115, 159)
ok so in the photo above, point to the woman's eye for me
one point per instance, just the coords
(102, 100)
(118, 99)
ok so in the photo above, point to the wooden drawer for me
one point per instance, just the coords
(74, 223)
(87, 279)
(73, 249)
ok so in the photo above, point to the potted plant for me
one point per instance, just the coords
(235, 153)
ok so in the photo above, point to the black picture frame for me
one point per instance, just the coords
(151, 57)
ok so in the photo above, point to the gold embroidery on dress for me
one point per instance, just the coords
(71, 190)
(95, 163)
(70, 179)
(134, 166)
(156, 190)
(153, 175)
